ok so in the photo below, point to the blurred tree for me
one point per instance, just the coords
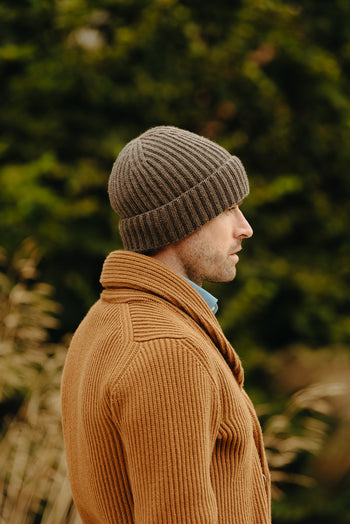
(267, 79)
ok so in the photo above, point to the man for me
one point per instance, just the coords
(157, 425)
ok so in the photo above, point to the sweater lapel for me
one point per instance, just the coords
(129, 270)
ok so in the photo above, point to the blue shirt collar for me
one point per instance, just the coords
(210, 300)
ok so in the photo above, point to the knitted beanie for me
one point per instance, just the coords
(169, 182)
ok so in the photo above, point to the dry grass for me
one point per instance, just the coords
(303, 427)
(33, 473)
(32, 463)
(319, 408)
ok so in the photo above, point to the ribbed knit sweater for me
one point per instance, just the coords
(157, 425)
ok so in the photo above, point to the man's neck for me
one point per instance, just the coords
(168, 256)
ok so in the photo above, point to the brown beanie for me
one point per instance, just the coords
(168, 182)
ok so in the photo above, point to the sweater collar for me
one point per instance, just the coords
(127, 271)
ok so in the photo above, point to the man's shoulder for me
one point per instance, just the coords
(153, 318)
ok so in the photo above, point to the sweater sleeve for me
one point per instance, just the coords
(167, 409)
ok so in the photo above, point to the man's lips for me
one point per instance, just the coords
(234, 255)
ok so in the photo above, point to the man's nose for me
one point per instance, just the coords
(244, 228)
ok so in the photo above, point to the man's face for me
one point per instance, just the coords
(210, 252)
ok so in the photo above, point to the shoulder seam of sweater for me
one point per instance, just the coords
(184, 343)
(115, 397)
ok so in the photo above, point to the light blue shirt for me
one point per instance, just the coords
(210, 300)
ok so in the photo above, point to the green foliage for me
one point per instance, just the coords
(267, 79)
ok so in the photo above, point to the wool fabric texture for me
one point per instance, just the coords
(168, 182)
(157, 425)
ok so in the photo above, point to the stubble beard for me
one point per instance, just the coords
(211, 267)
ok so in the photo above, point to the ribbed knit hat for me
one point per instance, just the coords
(169, 182)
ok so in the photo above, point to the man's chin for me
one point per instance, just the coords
(222, 278)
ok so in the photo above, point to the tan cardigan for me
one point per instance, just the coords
(157, 426)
